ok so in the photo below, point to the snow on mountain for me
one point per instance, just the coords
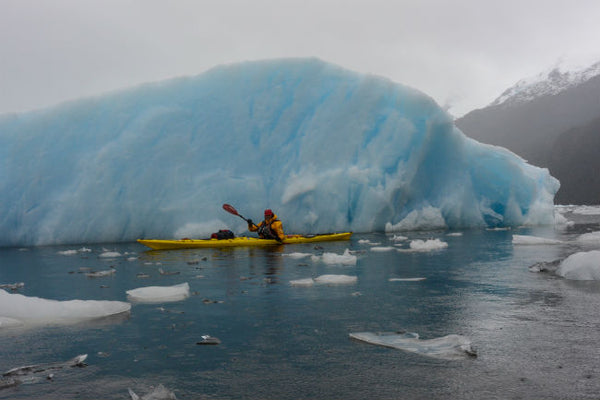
(556, 80)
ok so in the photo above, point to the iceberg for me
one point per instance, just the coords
(328, 149)
(17, 310)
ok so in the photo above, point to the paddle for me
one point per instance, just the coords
(233, 211)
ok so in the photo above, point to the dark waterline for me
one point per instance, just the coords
(535, 333)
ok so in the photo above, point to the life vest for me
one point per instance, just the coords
(265, 231)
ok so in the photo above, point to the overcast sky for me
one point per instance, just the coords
(463, 53)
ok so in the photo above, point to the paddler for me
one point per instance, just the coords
(270, 228)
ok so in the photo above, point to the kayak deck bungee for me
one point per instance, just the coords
(242, 241)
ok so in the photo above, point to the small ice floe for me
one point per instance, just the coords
(158, 393)
(425, 245)
(407, 279)
(36, 311)
(37, 368)
(12, 286)
(368, 242)
(67, 252)
(132, 258)
(297, 255)
(325, 280)
(110, 254)
(207, 339)
(561, 220)
(455, 234)
(589, 239)
(101, 274)
(159, 294)
(533, 240)
(73, 252)
(582, 266)
(162, 272)
(448, 347)
(302, 282)
(382, 249)
(398, 238)
(332, 258)
(499, 229)
(329, 279)
(587, 210)
(6, 322)
(545, 266)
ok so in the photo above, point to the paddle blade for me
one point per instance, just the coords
(230, 209)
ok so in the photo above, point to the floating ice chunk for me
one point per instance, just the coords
(368, 242)
(101, 274)
(336, 279)
(298, 255)
(398, 238)
(35, 310)
(587, 210)
(589, 239)
(110, 254)
(455, 234)
(158, 393)
(583, 266)
(545, 266)
(12, 286)
(68, 252)
(406, 279)
(561, 220)
(77, 361)
(425, 245)
(446, 347)
(533, 240)
(6, 322)
(382, 248)
(302, 282)
(332, 258)
(159, 294)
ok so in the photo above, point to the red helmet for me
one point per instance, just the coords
(268, 212)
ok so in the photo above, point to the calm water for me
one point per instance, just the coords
(536, 334)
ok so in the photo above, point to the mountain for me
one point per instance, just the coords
(540, 119)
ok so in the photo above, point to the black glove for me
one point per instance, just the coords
(250, 223)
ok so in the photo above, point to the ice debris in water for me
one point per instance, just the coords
(447, 347)
(397, 164)
(159, 294)
(582, 266)
(382, 249)
(419, 245)
(100, 274)
(298, 255)
(110, 254)
(332, 258)
(589, 239)
(35, 310)
(407, 279)
(158, 393)
(327, 279)
(533, 240)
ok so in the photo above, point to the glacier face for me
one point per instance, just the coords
(327, 149)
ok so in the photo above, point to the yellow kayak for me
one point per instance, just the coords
(158, 244)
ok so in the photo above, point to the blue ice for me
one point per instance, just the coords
(326, 148)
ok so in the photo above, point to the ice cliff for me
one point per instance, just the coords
(326, 148)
